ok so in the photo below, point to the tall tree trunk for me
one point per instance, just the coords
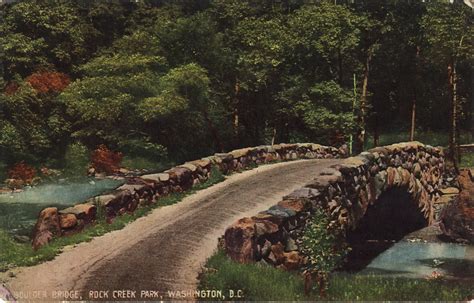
(413, 105)
(274, 135)
(363, 103)
(413, 118)
(376, 132)
(454, 113)
(235, 114)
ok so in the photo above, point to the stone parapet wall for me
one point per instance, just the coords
(148, 189)
(345, 190)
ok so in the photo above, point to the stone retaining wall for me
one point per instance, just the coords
(147, 189)
(345, 190)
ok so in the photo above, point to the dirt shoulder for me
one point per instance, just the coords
(165, 250)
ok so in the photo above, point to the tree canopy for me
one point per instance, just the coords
(197, 77)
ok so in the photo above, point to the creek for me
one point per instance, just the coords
(19, 211)
(393, 240)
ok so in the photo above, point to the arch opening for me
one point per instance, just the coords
(385, 222)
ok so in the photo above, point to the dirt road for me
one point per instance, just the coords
(165, 250)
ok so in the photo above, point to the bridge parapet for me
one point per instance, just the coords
(345, 190)
(148, 189)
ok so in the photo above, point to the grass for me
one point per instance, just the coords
(467, 160)
(257, 282)
(17, 254)
(265, 283)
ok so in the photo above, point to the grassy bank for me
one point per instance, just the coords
(14, 254)
(262, 282)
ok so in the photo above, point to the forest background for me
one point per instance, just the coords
(168, 81)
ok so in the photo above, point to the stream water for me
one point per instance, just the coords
(420, 260)
(392, 240)
(19, 211)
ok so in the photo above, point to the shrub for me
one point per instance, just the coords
(325, 247)
(22, 171)
(105, 160)
(48, 82)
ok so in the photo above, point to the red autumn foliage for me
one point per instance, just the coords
(106, 161)
(22, 171)
(11, 88)
(48, 82)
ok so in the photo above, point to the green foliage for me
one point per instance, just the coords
(219, 74)
(31, 125)
(448, 31)
(323, 243)
(76, 159)
(103, 103)
(181, 88)
(324, 108)
(43, 33)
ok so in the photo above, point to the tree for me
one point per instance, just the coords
(448, 30)
(103, 103)
(36, 34)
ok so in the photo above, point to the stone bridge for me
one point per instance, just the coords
(166, 249)
(346, 190)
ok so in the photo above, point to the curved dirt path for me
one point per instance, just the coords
(165, 250)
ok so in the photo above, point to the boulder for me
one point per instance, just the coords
(47, 226)
(265, 216)
(457, 219)
(133, 188)
(291, 245)
(239, 239)
(86, 211)
(303, 193)
(67, 221)
(162, 177)
(189, 166)
(278, 210)
(204, 162)
(292, 260)
(181, 175)
(278, 251)
(295, 206)
(238, 153)
(102, 200)
(322, 182)
(264, 227)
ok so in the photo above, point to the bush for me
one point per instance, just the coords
(48, 82)
(22, 171)
(325, 246)
(105, 160)
(76, 159)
